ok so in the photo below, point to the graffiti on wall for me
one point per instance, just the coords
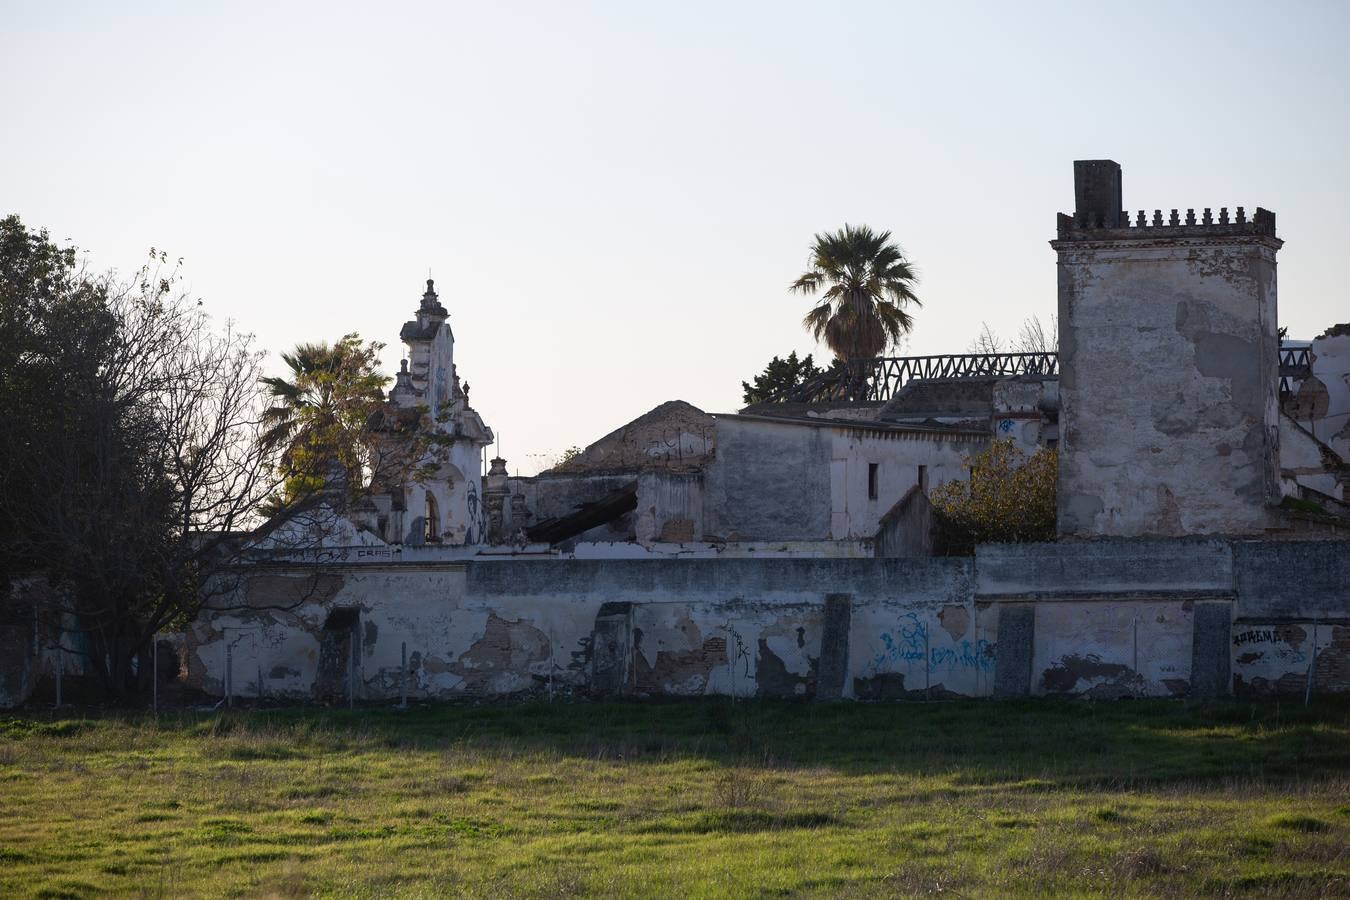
(909, 643)
(1284, 641)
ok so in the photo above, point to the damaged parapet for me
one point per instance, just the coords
(1169, 367)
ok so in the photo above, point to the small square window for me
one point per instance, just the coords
(871, 481)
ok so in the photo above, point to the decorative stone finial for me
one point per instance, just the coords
(403, 391)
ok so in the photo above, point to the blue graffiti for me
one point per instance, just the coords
(972, 655)
(912, 645)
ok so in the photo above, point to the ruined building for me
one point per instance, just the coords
(781, 550)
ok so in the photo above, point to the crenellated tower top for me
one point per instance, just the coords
(1099, 214)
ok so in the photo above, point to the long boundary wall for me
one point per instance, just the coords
(1099, 618)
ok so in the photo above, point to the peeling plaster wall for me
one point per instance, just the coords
(1020, 407)
(1321, 403)
(1168, 380)
(1113, 648)
(897, 456)
(550, 495)
(274, 627)
(1110, 618)
(785, 480)
(1099, 618)
(769, 481)
(1302, 463)
(1279, 658)
(669, 507)
(755, 627)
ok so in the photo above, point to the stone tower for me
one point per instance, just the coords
(1168, 355)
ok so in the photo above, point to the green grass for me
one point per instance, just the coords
(699, 799)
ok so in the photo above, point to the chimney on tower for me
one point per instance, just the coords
(1096, 193)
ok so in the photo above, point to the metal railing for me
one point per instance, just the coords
(881, 378)
(1295, 365)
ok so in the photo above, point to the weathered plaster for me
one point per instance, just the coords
(1168, 379)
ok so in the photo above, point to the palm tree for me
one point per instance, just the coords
(866, 282)
(320, 414)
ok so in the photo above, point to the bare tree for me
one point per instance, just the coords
(1033, 337)
(1036, 337)
(139, 462)
(986, 341)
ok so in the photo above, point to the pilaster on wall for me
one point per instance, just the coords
(1211, 660)
(1016, 649)
(832, 672)
(611, 650)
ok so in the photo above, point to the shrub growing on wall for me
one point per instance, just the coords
(1009, 498)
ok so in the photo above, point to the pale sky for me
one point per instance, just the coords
(613, 197)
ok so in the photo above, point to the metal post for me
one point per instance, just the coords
(927, 666)
(351, 670)
(60, 671)
(403, 677)
(154, 674)
(229, 673)
(1134, 666)
(731, 657)
(1312, 662)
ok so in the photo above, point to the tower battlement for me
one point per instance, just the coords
(1098, 214)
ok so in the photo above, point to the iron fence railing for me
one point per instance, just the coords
(881, 378)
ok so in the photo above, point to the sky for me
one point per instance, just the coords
(613, 197)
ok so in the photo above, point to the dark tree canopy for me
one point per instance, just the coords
(130, 457)
(778, 376)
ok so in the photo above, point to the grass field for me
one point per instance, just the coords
(694, 799)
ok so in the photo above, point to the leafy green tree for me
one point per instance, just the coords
(778, 376)
(1008, 498)
(321, 415)
(864, 284)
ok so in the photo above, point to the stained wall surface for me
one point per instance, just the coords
(788, 480)
(1099, 618)
(1168, 381)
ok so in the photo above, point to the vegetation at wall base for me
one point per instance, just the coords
(703, 799)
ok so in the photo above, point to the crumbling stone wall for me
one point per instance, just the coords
(1109, 618)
